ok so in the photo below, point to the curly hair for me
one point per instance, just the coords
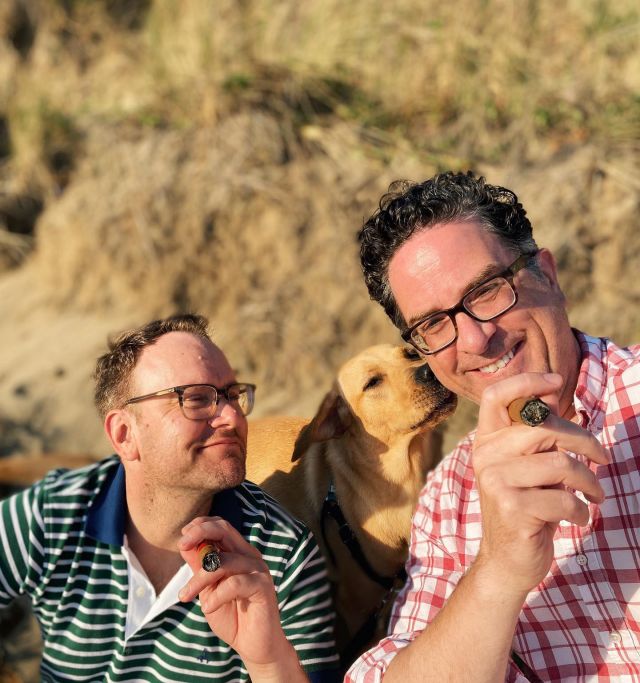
(113, 370)
(447, 197)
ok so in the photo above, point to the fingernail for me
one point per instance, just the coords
(181, 594)
(552, 377)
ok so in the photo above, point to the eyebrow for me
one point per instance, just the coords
(487, 272)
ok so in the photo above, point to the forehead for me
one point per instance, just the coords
(371, 360)
(435, 266)
(180, 358)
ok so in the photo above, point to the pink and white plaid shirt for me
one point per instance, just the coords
(582, 623)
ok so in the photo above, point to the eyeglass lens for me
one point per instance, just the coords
(199, 402)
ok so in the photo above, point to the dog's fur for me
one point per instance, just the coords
(19, 471)
(373, 437)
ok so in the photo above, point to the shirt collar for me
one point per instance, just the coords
(592, 381)
(107, 513)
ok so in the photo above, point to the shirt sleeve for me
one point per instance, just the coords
(306, 609)
(21, 539)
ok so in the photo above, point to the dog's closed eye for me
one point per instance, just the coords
(373, 382)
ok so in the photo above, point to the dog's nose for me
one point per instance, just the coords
(424, 375)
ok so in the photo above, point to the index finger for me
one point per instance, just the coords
(555, 434)
(217, 530)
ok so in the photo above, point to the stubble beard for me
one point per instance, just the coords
(229, 471)
(232, 472)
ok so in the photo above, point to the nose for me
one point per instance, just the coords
(473, 335)
(423, 375)
(226, 411)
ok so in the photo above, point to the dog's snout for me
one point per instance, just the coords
(423, 375)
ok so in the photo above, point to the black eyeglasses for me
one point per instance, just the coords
(199, 401)
(486, 301)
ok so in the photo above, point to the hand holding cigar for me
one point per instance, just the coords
(530, 411)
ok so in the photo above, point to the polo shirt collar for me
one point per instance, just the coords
(107, 514)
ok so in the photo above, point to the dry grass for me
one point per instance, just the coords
(476, 80)
(221, 156)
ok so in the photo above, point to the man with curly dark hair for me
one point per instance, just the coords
(524, 554)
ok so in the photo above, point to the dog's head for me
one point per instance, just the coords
(387, 391)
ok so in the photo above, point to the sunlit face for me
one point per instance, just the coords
(437, 266)
(203, 455)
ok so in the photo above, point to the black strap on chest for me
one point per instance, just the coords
(391, 584)
(331, 508)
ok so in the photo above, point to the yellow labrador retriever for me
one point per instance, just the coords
(358, 464)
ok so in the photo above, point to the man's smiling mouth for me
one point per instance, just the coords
(498, 365)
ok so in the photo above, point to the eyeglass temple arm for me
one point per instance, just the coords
(173, 390)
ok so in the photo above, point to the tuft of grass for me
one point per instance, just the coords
(476, 79)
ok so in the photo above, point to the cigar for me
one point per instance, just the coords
(209, 556)
(530, 411)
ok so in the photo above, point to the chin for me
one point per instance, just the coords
(231, 472)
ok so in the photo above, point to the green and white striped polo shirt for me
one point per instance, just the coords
(62, 545)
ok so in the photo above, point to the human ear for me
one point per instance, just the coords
(547, 264)
(118, 425)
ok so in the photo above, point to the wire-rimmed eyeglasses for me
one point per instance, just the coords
(486, 301)
(199, 401)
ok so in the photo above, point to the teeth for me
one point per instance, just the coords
(494, 367)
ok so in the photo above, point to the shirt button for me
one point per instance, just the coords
(126, 651)
(615, 637)
(140, 592)
(581, 560)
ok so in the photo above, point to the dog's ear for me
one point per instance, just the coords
(331, 421)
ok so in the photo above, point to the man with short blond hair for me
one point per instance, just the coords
(108, 554)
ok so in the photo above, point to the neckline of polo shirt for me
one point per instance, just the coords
(225, 504)
(106, 516)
